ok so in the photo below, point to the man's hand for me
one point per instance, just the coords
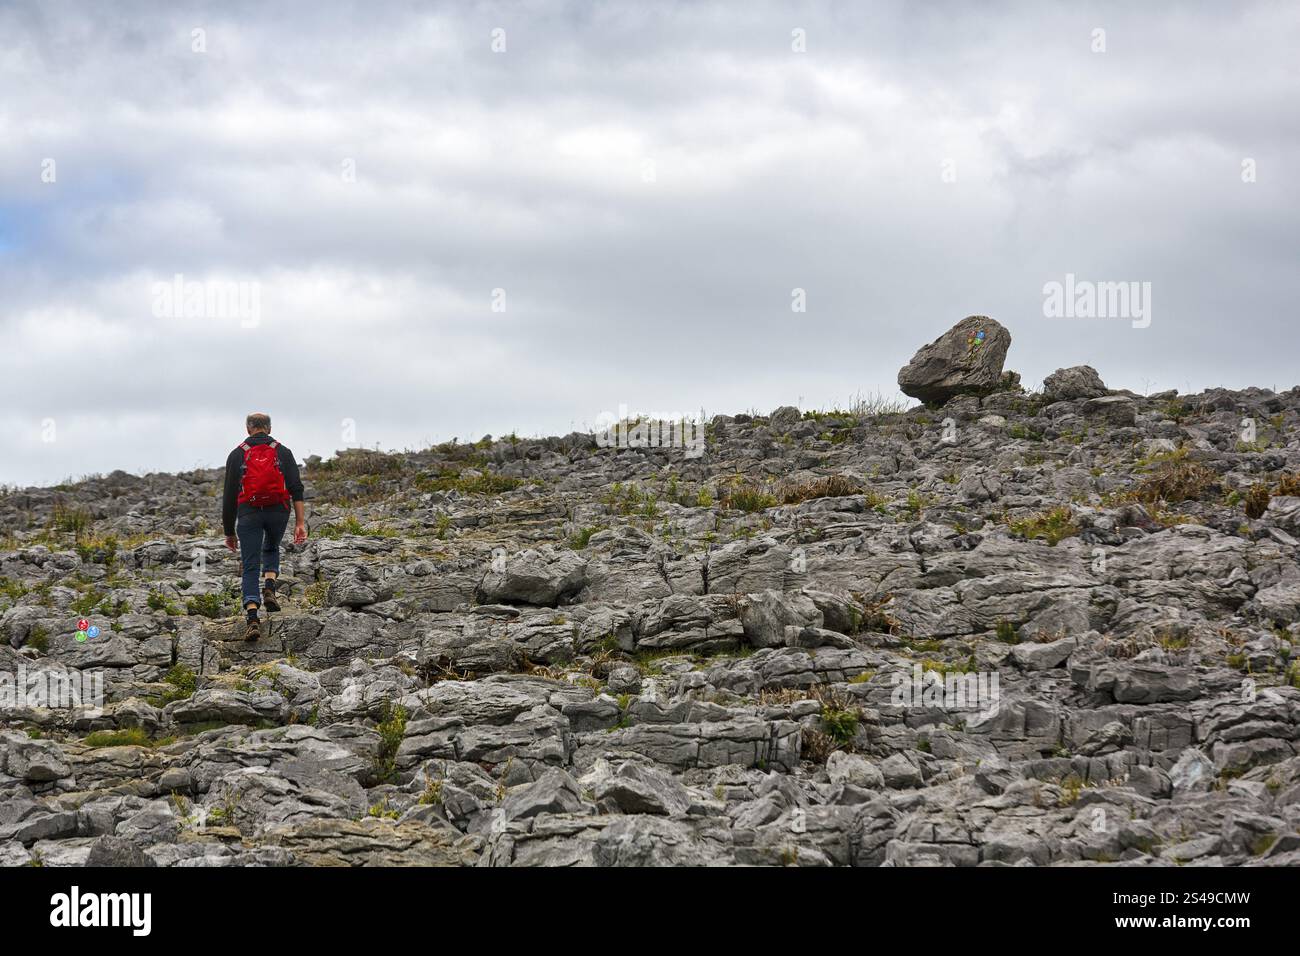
(299, 522)
(230, 542)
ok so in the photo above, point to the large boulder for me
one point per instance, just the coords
(965, 360)
(1069, 384)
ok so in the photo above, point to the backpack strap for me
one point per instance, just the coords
(275, 444)
(245, 448)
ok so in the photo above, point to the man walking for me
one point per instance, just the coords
(261, 479)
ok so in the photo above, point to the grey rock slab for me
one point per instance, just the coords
(644, 840)
(117, 851)
(1039, 657)
(554, 792)
(1117, 410)
(633, 788)
(1192, 773)
(846, 768)
(539, 577)
(35, 761)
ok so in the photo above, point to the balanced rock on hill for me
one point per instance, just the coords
(965, 360)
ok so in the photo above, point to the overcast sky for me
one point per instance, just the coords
(647, 183)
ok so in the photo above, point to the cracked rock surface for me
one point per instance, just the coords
(1010, 630)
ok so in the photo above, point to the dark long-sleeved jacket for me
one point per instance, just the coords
(230, 507)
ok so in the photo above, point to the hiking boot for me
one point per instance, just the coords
(253, 630)
(268, 598)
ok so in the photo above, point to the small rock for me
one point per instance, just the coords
(117, 851)
(994, 775)
(1071, 384)
(636, 789)
(1193, 772)
(1041, 657)
(899, 772)
(1116, 409)
(624, 679)
(36, 761)
(534, 577)
(854, 769)
(785, 418)
(554, 792)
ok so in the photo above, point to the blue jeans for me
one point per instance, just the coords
(260, 531)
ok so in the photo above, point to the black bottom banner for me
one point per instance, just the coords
(298, 905)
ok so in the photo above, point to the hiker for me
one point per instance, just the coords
(261, 479)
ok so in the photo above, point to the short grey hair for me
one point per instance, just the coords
(259, 420)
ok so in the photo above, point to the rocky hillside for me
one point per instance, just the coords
(1018, 628)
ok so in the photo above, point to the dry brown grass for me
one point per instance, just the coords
(832, 486)
(1257, 499)
(1174, 478)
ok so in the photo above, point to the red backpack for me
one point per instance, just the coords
(263, 482)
